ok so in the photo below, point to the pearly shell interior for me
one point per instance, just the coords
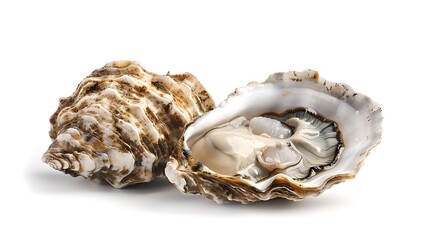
(354, 117)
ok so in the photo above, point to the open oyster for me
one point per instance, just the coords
(122, 123)
(292, 136)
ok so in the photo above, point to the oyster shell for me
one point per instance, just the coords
(122, 123)
(292, 136)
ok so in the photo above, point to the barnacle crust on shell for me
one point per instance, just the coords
(122, 123)
(292, 136)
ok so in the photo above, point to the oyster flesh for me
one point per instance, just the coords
(122, 123)
(292, 136)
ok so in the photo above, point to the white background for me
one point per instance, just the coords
(379, 48)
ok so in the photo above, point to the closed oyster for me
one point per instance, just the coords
(292, 136)
(122, 123)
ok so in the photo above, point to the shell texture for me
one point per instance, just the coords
(122, 123)
(292, 136)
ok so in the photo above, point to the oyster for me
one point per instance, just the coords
(122, 123)
(292, 136)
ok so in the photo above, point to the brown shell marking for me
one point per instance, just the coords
(122, 123)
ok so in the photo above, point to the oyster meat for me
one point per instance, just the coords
(292, 136)
(122, 123)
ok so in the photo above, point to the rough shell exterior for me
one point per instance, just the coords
(356, 115)
(122, 123)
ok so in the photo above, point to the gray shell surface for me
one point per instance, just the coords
(122, 123)
(292, 136)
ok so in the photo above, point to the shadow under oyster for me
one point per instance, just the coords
(292, 136)
(122, 123)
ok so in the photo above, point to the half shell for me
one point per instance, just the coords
(292, 136)
(122, 123)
